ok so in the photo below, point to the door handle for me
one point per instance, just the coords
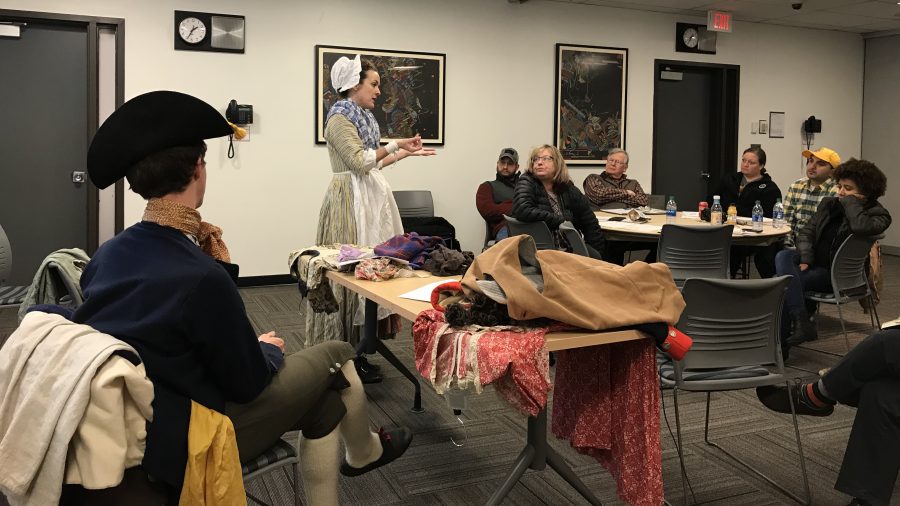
(705, 175)
(79, 176)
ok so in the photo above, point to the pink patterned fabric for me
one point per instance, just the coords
(512, 359)
(606, 404)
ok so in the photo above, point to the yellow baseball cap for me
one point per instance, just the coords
(825, 154)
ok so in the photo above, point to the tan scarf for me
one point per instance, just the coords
(185, 219)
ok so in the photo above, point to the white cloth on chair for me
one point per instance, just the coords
(46, 372)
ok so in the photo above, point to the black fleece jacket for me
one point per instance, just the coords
(531, 203)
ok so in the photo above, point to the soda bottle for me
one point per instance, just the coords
(757, 217)
(671, 210)
(732, 215)
(703, 205)
(715, 212)
(778, 214)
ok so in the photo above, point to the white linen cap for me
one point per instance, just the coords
(345, 73)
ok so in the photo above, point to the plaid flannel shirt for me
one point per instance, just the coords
(801, 202)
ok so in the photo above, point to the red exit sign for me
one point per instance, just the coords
(718, 21)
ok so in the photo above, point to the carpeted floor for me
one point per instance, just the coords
(435, 472)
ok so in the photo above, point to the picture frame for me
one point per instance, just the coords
(776, 125)
(412, 91)
(590, 106)
(763, 127)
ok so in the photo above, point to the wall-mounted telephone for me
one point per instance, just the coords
(812, 125)
(239, 114)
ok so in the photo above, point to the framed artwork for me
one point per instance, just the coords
(412, 92)
(776, 125)
(763, 126)
(589, 119)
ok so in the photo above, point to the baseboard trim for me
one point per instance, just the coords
(277, 279)
(890, 250)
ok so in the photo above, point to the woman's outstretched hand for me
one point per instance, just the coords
(411, 144)
(422, 152)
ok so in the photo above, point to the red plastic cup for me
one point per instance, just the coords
(702, 206)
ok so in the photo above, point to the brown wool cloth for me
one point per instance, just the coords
(187, 220)
(580, 291)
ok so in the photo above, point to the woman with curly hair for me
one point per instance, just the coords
(855, 210)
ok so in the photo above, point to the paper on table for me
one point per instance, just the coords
(423, 293)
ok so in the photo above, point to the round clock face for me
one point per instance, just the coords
(690, 37)
(192, 30)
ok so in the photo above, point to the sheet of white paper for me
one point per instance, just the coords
(423, 293)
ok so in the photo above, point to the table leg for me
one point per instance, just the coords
(371, 343)
(536, 455)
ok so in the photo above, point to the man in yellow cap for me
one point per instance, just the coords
(804, 195)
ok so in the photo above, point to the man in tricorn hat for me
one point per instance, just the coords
(166, 286)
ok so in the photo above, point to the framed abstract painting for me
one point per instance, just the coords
(589, 119)
(412, 91)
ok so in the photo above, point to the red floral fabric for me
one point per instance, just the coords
(606, 401)
(512, 359)
(606, 404)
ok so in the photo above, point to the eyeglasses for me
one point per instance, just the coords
(537, 159)
(615, 162)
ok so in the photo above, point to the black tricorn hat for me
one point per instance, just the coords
(147, 124)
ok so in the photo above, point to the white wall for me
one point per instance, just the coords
(881, 112)
(499, 92)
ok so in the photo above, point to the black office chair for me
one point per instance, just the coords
(701, 251)
(414, 203)
(543, 237)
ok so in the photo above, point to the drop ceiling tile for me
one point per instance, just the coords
(834, 19)
(880, 25)
(879, 10)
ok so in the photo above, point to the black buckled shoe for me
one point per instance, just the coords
(368, 373)
(393, 445)
(776, 399)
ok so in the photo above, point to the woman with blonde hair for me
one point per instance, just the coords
(546, 193)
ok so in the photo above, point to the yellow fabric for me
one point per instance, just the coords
(213, 472)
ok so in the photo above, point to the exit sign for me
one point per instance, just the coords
(718, 21)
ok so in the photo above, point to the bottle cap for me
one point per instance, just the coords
(716, 197)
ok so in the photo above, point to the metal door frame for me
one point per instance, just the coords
(723, 134)
(91, 24)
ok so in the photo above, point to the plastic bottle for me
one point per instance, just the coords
(757, 217)
(732, 215)
(671, 210)
(715, 212)
(778, 214)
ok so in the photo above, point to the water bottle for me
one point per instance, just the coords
(778, 214)
(757, 217)
(715, 212)
(671, 210)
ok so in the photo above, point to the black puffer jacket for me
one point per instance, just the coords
(531, 203)
(764, 190)
(857, 218)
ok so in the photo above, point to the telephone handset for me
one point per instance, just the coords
(239, 114)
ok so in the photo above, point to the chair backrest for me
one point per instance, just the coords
(657, 201)
(575, 239)
(701, 251)
(5, 258)
(414, 203)
(538, 230)
(733, 322)
(543, 237)
(848, 268)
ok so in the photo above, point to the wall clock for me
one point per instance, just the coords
(691, 38)
(205, 31)
(192, 30)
